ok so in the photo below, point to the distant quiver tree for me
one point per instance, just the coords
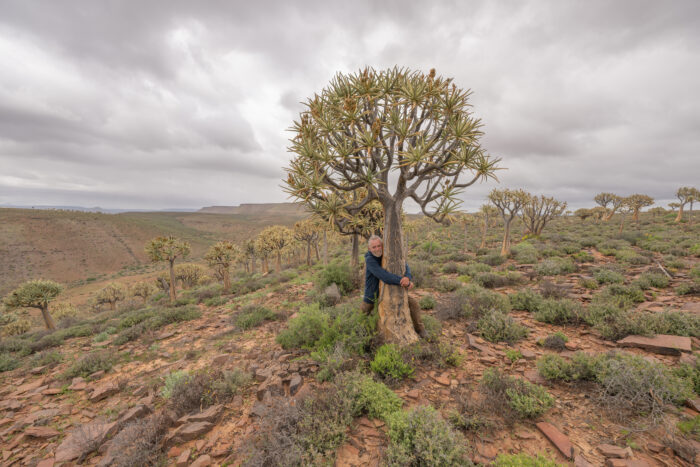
(509, 203)
(168, 249)
(538, 211)
(366, 126)
(219, 257)
(35, 294)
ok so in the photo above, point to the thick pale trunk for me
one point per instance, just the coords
(680, 214)
(48, 320)
(505, 248)
(635, 216)
(113, 306)
(395, 323)
(265, 268)
(227, 281)
(173, 295)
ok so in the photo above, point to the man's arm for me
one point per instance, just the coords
(408, 272)
(382, 274)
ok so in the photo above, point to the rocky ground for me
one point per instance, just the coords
(45, 420)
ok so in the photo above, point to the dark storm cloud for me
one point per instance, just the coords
(575, 97)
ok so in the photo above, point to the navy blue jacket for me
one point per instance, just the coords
(374, 272)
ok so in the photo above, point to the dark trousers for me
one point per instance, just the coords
(412, 305)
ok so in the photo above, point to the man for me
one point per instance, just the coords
(374, 272)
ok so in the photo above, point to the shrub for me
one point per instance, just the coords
(89, 364)
(47, 358)
(626, 292)
(252, 316)
(439, 353)
(304, 330)
(170, 381)
(524, 399)
(492, 259)
(688, 289)
(420, 437)
(555, 266)
(450, 268)
(445, 284)
(339, 274)
(526, 299)
(588, 283)
(432, 326)
(631, 385)
(608, 276)
(500, 327)
(525, 253)
(556, 341)
(558, 311)
(422, 273)
(17, 327)
(550, 290)
(8, 362)
(475, 268)
(690, 427)
(524, 460)
(137, 443)
(369, 397)
(427, 302)
(583, 257)
(513, 355)
(491, 279)
(389, 363)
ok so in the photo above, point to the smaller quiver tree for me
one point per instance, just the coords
(307, 232)
(625, 208)
(508, 202)
(35, 294)
(583, 213)
(610, 202)
(168, 249)
(250, 254)
(538, 211)
(142, 290)
(111, 294)
(637, 202)
(684, 195)
(488, 214)
(273, 239)
(219, 257)
(190, 274)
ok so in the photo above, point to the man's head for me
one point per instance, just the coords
(375, 245)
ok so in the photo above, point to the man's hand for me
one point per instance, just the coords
(405, 282)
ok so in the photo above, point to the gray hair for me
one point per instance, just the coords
(374, 237)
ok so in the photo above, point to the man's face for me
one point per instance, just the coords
(376, 247)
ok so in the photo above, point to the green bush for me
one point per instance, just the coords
(492, 279)
(252, 316)
(420, 437)
(388, 363)
(348, 328)
(438, 353)
(525, 253)
(554, 367)
(582, 367)
(608, 276)
(500, 327)
(583, 257)
(524, 399)
(339, 274)
(556, 341)
(526, 299)
(446, 284)
(8, 362)
(427, 302)
(555, 266)
(588, 283)
(474, 268)
(432, 326)
(524, 460)
(89, 364)
(492, 259)
(690, 427)
(170, 381)
(626, 292)
(305, 329)
(563, 311)
(686, 288)
(651, 279)
(369, 397)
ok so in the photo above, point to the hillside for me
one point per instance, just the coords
(284, 209)
(70, 246)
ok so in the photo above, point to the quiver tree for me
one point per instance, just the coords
(168, 249)
(625, 208)
(636, 202)
(273, 239)
(190, 274)
(307, 232)
(143, 290)
(466, 220)
(538, 211)
(35, 294)
(111, 294)
(250, 254)
(657, 211)
(219, 257)
(508, 202)
(487, 214)
(364, 126)
(610, 202)
(583, 213)
(685, 195)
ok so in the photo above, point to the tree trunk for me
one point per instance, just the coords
(308, 253)
(279, 261)
(265, 268)
(635, 216)
(48, 320)
(395, 325)
(318, 257)
(113, 306)
(505, 248)
(355, 253)
(227, 281)
(483, 235)
(680, 214)
(325, 248)
(173, 295)
(622, 223)
(252, 265)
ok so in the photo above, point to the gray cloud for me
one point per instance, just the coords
(133, 105)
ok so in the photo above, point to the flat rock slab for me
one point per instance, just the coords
(609, 450)
(661, 343)
(43, 432)
(104, 391)
(188, 432)
(627, 463)
(473, 343)
(558, 439)
(134, 413)
(209, 415)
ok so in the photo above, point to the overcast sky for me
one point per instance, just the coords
(182, 104)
